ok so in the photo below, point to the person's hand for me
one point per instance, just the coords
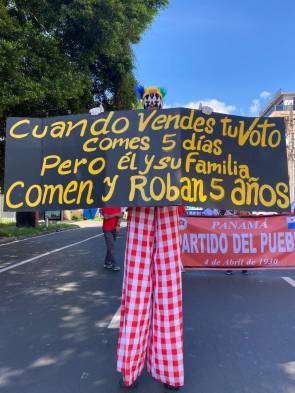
(207, 110)
(96, 111)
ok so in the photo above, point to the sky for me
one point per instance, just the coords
(231, 55)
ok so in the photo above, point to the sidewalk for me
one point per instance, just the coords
(84, 223)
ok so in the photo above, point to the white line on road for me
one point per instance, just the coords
(115, 322)
(47, 253)
(37, 237)
(289, 281)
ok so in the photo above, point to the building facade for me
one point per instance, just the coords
(282, 104)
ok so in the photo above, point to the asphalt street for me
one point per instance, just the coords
(59, 325)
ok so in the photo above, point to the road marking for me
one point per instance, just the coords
(289, 281)
(37, 237)
(115, 322)
(47, 253)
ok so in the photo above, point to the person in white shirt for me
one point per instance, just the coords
(210, 212)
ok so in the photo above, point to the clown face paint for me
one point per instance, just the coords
(152, 100)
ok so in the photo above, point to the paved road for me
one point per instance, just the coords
(58, 326)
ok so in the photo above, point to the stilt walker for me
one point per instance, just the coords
(151, 309)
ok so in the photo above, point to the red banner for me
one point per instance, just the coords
(233, 242)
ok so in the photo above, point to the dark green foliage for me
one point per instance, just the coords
(59, 56)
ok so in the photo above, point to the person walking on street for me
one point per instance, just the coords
(151, 308)
(151, 328)
(110, 227)
(111, 220)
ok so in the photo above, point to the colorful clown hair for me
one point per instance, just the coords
(141, 91)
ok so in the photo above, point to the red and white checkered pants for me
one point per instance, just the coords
(151, 309)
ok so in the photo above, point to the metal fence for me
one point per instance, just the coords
(5, 216)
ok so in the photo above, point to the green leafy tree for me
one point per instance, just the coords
(60, 56)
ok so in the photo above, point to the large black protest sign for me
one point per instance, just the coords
(146, 158)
